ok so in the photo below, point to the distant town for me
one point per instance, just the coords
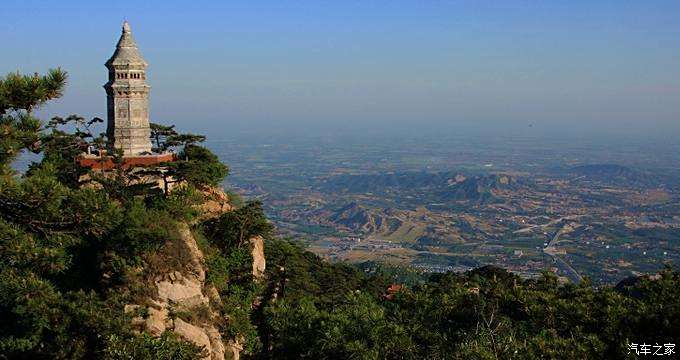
(455, 204)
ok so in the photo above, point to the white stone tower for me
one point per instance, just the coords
(127, 96)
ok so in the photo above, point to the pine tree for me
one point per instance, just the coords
(19, 96)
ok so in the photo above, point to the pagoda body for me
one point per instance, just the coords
(127, 99)
(127, 96)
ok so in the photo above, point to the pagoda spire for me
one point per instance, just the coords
(126, 52)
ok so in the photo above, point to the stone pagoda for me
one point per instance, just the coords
(127, 97)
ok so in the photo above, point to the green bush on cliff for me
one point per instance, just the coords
(235, 228)
(145, 347)
(229, 262)
(198, 166)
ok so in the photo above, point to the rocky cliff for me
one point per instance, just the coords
(178, 298)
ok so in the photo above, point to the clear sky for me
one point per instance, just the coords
(601, 66)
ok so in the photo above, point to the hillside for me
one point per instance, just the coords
(439, 186)
(379, 182)
(617, 175)
(360, 218)
(478, 189)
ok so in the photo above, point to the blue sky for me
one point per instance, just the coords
(594, 66)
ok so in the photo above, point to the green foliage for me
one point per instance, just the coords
(226, 269)
(229, 271)
(356, 329)
(236, 228)
(60, 147)
(19, 131)
(46, 206)
(487, 313)
(19, 95)
(200, 167)
(180, 204)
(185, 141)
(301, 273)
(393, 273)
(41, 322)
(160, 135)
(145, 347)
(196, 165)
(237, 302)
(25, 92)
(143, 228)
(235, 199)
(56, 245)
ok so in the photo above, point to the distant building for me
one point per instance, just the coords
(392, 290)
(127, 96)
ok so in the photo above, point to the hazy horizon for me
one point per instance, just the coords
(604, 69)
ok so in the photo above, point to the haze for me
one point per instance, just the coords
(605, 68)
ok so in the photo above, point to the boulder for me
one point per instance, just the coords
(234, 348)
(257, 251)
(216, 344)
(179, 291)
(155, 322)
(193, 334)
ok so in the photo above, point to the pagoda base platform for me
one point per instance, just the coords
(105, 162)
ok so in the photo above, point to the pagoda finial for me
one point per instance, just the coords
(126, 49)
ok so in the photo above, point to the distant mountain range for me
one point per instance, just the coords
(438, 211)
(445, 186)
(361, 218)
(618, 175)
(479, 189)
(449, 188)
(363, 183)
